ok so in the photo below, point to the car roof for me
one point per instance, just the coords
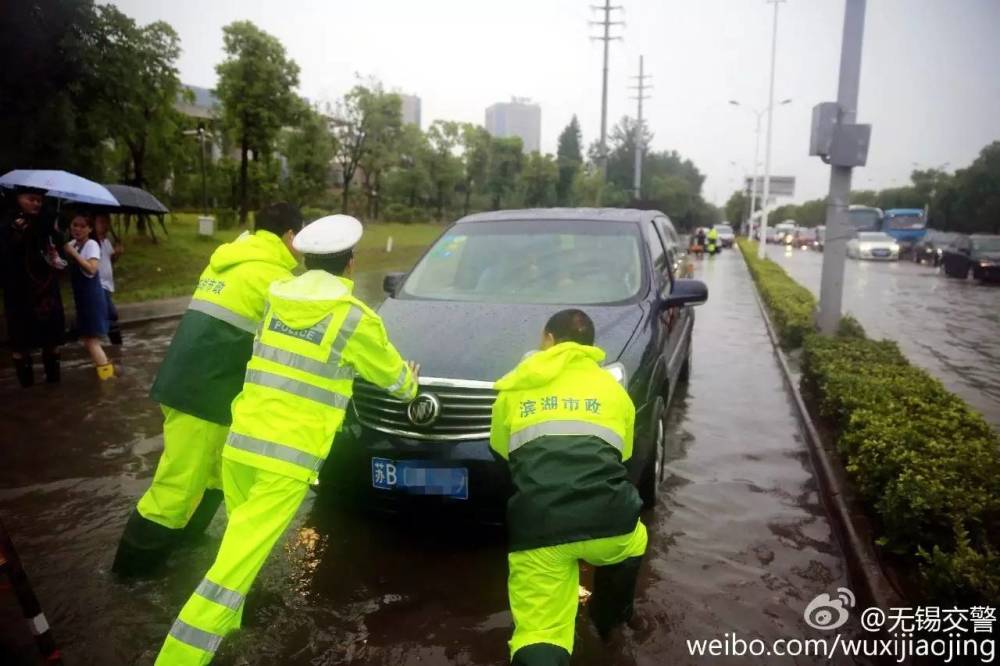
(559, 214)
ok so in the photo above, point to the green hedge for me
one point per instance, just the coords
(791, 305)
(923, 462)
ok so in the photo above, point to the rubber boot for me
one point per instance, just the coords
(106, 371)
(25, 374)
(614, 595)
(144, 546)
(53, 373)
(540, 654)
(202, 516)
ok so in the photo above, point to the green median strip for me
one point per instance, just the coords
(925, 464)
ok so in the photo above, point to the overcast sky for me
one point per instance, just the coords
(930, 79)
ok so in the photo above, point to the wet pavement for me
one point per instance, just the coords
(947, 326)
(739, 542)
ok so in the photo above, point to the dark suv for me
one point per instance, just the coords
(468, 312)
(978, 254)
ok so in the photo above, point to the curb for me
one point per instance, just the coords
(851, 526)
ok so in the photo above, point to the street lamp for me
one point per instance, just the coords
(770, 121)
(758, 114)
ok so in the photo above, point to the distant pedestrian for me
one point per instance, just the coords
(29, 275)
(84, 254)
(109, 255)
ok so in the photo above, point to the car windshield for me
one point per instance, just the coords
(724, 228)
(874, 237)
(987, 244)
(864, 218)
(531, 261)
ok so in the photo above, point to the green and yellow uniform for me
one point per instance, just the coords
(713, 240)
(565, 427)
(315, 338)
(199, 378)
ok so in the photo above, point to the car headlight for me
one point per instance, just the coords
(895, 248)
(985, 263)
(617, 370)
(865, 247)
(939, 251)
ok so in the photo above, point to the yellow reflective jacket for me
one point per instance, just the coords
(565, 426)
(203, 368)
(315, 337)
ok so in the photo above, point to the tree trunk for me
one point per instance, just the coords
(244, 173)
(344, 195)
(468, 196)
(378, 186)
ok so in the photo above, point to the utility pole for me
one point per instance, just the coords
(605, 37)
(641, 87)
(843, 144)
(762, 252)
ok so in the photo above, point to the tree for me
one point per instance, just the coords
(366, 123)
(138, 85)
(506, 163)
(476, 147)
(410, 181)
(621, 153)
(570, 160)
(737, 207)
(540, 178)
(977, 200)
(443, 167)
(46, 88)
(308, 150)
(257, 84)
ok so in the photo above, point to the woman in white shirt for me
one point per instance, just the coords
(109, 255)
(91, 307)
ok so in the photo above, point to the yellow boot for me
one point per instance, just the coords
(106, 371)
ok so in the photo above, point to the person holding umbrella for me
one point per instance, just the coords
(29, 274)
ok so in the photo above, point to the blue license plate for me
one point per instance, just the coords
(415, 478)
(880, 253)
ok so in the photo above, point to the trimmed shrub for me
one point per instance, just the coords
(791, 305)
(925, 465)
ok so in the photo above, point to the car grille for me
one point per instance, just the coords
(466, 407)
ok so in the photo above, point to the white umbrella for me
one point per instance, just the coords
(61, 185)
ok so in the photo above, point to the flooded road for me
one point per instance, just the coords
(949, 327)
(739, 542)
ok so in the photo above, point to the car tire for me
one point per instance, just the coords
(652, 472)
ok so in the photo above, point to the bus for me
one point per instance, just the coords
(907, 225)
(865, 218)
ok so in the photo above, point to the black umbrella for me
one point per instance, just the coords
(136, 200)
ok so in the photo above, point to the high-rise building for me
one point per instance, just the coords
(411, 109)
(518, 117)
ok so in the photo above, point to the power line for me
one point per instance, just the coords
(641, 87)
(607, 8)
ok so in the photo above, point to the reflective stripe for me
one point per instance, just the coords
(345, 332)
(223, 314)
(300, 362)
(39, 625)
(195, 637)
(525, 435)
(400, 380)
(296, 387)
(220, 595)
(274, 450)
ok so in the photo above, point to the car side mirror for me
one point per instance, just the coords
(685, 292)
(391, 282)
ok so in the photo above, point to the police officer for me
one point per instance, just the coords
(315, 338)
(713, 239)
(197, 381)
(564, 425)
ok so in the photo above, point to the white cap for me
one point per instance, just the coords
(328, 235)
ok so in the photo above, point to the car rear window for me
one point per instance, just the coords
(532, 261)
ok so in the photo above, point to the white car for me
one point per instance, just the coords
(873, 245)
(726, 235)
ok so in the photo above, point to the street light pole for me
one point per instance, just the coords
(831, 291)
(606, 37)
(204, 186)
(762, 251)
(753, 189)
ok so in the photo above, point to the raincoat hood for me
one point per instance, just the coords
(303, 301)
(542, 367)
(259, 246)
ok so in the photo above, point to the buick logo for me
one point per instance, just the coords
(424, 410)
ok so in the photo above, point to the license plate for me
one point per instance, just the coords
(415, 478)
(880, 253)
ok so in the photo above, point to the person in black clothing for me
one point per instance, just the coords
(29, 274)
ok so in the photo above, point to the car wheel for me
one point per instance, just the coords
(652, 473)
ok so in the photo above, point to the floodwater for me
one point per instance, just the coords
(739, 543)
(947, 326)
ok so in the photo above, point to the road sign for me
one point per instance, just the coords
(781, 186)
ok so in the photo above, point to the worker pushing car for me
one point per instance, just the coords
(196, 383)
(314, 339)
(565, 427)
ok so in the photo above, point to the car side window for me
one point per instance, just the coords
(671, 241)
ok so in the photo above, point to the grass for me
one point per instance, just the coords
(149, 271)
